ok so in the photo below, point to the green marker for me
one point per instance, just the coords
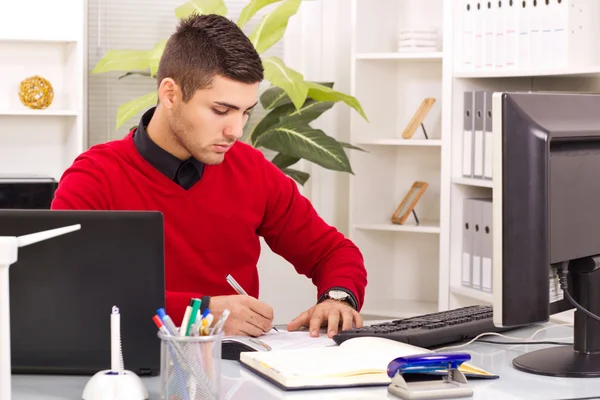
(195, 307)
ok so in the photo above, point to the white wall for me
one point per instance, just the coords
(316, 44)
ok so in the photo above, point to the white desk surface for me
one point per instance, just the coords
(237, 383)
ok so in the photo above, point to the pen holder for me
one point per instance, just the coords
(190, 367)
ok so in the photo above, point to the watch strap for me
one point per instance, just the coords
(351, 299)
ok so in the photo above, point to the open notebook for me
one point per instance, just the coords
(359, 361)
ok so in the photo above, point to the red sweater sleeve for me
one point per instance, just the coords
(82, 187)
(293, 229)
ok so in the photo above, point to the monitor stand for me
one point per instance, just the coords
(582, 360)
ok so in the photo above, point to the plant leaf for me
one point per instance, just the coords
(133, 107)
(282, 161)
(275, 96)
(309, 111)
(298, 139)
(122, 60)
(323, 93)
(299, 176)
(155, 54)
(351, 146)
(292, 82)
(142, 73)
(252, 8)
(273, 25)
(201, 7)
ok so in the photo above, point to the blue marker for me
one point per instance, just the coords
(167, 321)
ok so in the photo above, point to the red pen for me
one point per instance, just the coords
(160, 325)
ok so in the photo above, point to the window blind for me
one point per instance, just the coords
(136, 25)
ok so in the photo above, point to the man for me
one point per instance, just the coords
(217, 195)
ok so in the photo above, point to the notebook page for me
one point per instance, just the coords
(368, 357)
(284, 340)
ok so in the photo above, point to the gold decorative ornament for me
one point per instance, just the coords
(36, 92)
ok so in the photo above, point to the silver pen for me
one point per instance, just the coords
(239, 290)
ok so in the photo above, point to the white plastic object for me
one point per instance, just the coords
(9, 248)
(106, 385)
(452, 386)
(115, 383)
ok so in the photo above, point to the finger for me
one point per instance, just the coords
(333, 322)
(358, 319)
(348, 318)
(251, 330)
(316, 321)
(258, 321)
(299, 322)
(261, 308)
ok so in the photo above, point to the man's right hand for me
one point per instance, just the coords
(248, 316)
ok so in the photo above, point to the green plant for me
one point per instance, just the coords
(291, 102)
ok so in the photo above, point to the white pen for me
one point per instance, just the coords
(219, 324)
(236, 286)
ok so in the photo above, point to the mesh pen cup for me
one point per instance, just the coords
(190, 367)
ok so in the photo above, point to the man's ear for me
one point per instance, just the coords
(169, 93)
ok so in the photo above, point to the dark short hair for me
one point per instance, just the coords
(204, 46)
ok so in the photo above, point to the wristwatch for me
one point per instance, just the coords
(338, 295)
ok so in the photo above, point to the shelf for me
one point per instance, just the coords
(473, 182)
(476, 294)
(423, 227)
(581, 71)
(407, 56)
(401, 142)
(399, 308)
(50, 112)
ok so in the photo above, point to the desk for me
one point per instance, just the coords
(239, 384)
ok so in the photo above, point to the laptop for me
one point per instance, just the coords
(62, 291)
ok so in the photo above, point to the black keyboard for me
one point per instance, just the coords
(431, 330)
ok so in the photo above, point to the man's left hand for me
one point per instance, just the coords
(330, 313)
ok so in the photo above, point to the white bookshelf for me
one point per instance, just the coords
(45, 38)
(403, 261)
(575, 77)
(416, 269)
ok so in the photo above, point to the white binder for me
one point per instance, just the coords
(478, 136)
(467, 244)
(487, 137)
(468, 119)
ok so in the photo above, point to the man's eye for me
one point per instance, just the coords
(219, 112)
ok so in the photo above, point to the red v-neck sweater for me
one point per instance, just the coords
(213, 228)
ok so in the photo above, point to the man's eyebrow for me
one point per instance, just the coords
(233, 107)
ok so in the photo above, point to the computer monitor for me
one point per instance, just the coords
(546, 221)
(62, 290)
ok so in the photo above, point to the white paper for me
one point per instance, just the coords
(284, 340)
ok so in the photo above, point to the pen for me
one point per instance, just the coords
(186, 319)
(236, 286)
(218, 328)
(160, 325)
(167, 321)
(193, 315)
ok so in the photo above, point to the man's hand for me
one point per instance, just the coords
(248, 316)
(330, 313)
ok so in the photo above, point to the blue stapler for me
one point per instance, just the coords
(453, 385)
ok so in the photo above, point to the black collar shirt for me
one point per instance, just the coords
(183, 172)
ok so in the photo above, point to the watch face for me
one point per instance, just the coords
(338, 294)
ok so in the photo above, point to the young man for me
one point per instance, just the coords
(217, 195)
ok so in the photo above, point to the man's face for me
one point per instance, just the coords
(213, 119)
